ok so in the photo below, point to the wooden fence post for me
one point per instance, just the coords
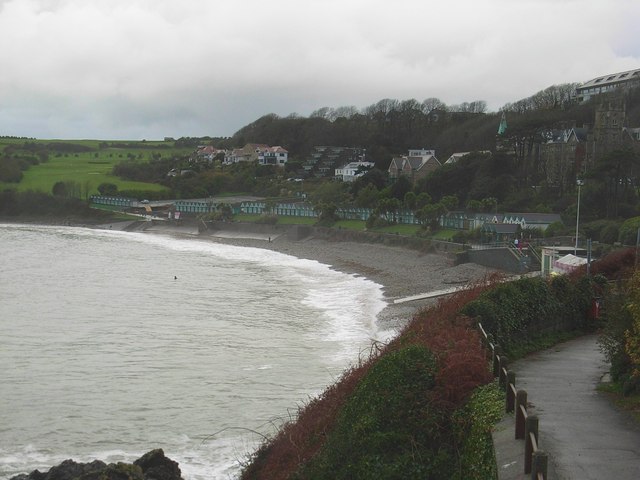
(502, 378)
(496, 361)
(530, 444)
(521, 404)
(539, 464)
(511, 394)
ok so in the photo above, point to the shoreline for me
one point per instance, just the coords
(401, 272)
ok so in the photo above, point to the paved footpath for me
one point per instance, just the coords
(584, 435)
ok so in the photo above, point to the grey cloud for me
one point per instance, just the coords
(150, 68)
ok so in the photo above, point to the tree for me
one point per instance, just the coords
(108, 188)
(474, 206)
(410, 199)
(400, 187)
(326, 213)
(367, 197)
(423, 199)
(430, 214)
(10, 170)
(330, 192)
(432, 104)
(449, 202)
(59, 189)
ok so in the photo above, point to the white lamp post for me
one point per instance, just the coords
(579, 182)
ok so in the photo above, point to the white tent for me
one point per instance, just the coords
(568, 263)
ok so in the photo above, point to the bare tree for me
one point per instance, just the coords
(432, 104)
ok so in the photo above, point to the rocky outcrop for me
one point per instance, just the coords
(151, 466)
(158, 467)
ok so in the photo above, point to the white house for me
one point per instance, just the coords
(273, 156)
(353, 170)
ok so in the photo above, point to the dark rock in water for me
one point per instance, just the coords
(158, 467)
(66, 470)
(151, 466)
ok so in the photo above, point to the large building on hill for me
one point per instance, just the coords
(568, 152)
(608, 83)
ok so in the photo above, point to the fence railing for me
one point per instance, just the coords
(526, 425)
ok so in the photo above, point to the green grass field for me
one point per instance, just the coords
(87, 169)
(444, 234)
(399, 229)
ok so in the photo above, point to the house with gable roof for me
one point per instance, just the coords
(273, 156)
(208, 153)
(417, 164)
(248, 153)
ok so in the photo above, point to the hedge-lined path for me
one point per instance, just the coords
(585, 435)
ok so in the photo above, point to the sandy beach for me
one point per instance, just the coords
(402, 272)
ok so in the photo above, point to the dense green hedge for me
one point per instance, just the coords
(389, 429)
(393, 427)
(517, 312)
(473, 426)
(42, 205)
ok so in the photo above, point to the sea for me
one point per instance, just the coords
(116, 343)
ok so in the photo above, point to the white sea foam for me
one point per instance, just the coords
(113, 357)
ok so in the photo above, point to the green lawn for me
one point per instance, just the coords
(86, 169)
(444, 234)
(297, 220)
(399, 229)
(255, 218)
(350, 224)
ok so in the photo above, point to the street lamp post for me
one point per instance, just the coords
(579, 182)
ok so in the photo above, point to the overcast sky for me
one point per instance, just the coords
(134, 69)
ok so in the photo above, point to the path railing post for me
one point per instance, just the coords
(502, 377)
(521, 410)
(496, 361)
(530, 441)
(539, 465)
(510, 391)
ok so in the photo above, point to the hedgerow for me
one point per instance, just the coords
(473, 425)
(390, 427)
(520, 311)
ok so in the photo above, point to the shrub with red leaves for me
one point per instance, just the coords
(616, 265)
(461, 366)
